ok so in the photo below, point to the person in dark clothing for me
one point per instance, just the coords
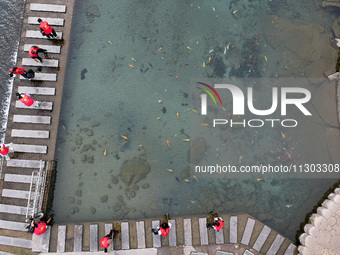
(46, 29)
(33, 52)
(21, 71)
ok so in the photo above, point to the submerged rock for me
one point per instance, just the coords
(79, 193)
(132, 171)
(114, 179)
(93, 210)
(197, 151)
(145, 186)
(95, 123)
(104, 198)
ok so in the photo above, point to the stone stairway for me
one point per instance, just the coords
(240, 230)
(33, 130)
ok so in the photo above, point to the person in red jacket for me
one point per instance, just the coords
(165, 227)
(27, 100)
(5, 149)
(33, 52)
(218, 224)
(46, 29)
(215, 222)
(21, 71)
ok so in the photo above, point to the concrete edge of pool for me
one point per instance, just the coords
(242, 233)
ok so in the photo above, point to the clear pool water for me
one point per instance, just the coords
(127, 91)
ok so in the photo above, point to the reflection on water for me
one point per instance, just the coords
(124, 135)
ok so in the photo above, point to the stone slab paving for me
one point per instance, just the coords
(41, 149)
(14, 193)
(261, 238)
(61, 241)
(42, 106)
(47, 7)
(233, 229)
(125, 235)
(156, 239)
(12, 225)
(36, 34)
(24, 163)
(203, 231)
(37, 90)
(42, 77)
(13, 209)
(187, 232)
(94, 237)
(40, 134)
(50, 21)
(16, 242)
(172, 234)
(34, 119)
(248, 231)
(140, 235)
(78, 238)
(275, 245)
(49, 48)
(219, 236)
(19, 178)
(45, 62)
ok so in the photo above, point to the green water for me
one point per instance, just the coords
(129, 112)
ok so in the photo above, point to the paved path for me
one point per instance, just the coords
(33, 130)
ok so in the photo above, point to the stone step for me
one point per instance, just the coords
(13, 209)
(19, 178)
(49, 48)
(12, 225)
(42, 149)
(108, 227)
(43, 134)
(33, 119)
(42, 77)
(13, 193)
(37, 34)
(45, 62)
(156, 239)
(140, 235)
(41, 243)
(275, 246)
(93, 237)
(172, 234)
(5, 253)
(61, 241)
(50, 21)
(290, 250)
(248, 231)
(187, 232)
(24, 163)
(37, 90)
(203, 231)
(219, 237)
(125, 235)
(16, 242)
(42, 106)
(78, 238)
(48, 7)
(233, 229)
(261, 238)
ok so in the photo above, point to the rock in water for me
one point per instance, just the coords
(133, 171)
(197, 151)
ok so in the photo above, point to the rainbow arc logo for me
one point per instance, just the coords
(209, 93)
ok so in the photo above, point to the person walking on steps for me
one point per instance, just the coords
(215, 221)
(27, 100)
(33, 52)
(5, 150)
(46, 29)
(164, 229)
(107, 241)
(21, 71)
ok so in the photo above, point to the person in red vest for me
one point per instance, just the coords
(218, 224)
(165, 227)
(27, 100)
(21, 71)
(106, 241)
(214, 221)
(46, 29)
(5, 150)
(33, 52)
